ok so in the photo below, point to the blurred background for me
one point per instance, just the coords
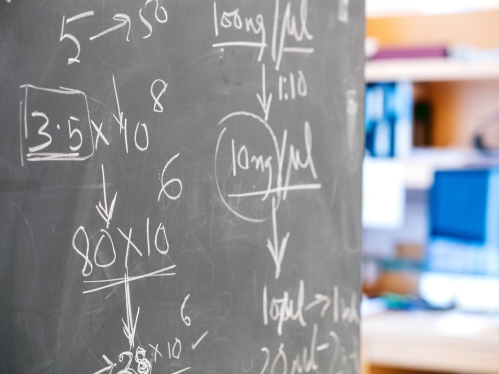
(431, 187)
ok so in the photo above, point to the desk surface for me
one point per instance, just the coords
(434, 341)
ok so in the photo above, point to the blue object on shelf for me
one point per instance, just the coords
(388, 119)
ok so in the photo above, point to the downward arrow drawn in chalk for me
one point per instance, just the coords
(130, 326)
(263, 99)
(277, 251)
(105, 213)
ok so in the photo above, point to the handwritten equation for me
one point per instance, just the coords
(259, 163)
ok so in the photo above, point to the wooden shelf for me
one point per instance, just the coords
(429, 70)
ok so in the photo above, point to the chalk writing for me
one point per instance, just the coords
(266, 155)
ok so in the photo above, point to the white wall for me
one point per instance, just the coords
(379, 8)
(382, 243)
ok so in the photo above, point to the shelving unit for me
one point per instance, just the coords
(429, 70)
(422, 163)
(461, 93)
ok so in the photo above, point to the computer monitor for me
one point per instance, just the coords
(462, 255)
(464, 222)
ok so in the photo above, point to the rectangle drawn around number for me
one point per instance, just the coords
(55, 125)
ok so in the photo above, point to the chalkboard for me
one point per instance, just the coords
(180, 186)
